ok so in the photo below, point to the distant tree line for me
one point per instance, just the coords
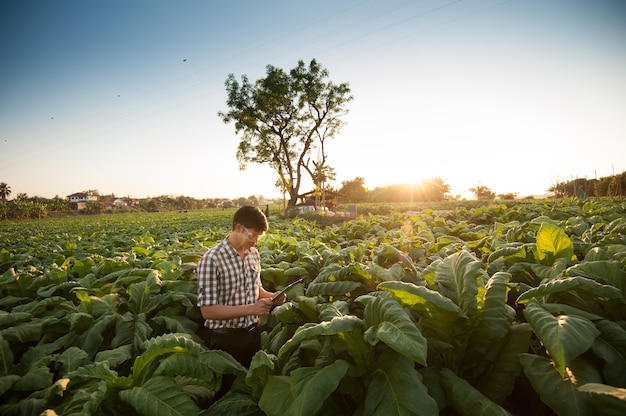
(434, 189)
(608, 186)
(25, 207)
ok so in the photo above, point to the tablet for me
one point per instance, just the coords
(289, 286)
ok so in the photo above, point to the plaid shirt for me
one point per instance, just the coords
(224, 278)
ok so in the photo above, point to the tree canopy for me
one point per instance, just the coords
(282, 118)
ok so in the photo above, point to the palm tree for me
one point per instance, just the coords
(5, 191)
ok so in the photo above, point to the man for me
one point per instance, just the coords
(230, 295)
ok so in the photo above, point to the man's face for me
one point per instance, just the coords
(251, 236)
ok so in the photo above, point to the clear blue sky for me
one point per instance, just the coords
(513, 95)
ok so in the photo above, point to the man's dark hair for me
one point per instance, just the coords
(251, 217)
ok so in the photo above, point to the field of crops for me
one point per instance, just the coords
(487, 310)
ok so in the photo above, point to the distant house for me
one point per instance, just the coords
(82, 197)
(120, 203)
(330, 199)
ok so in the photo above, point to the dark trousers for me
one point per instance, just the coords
(241, 343)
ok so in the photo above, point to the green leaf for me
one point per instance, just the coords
(389, 323)
(311, 386)
(614, 369)
(607, 272)
(6, 357)
(335, 326)
(558, 392)
(260, 369)
(393, 274)
(587, 288)
(494, 321)
(441, 318)
(396, 388)
(6, 382)
(276, 398)
(91, 340)
(499, 381)
(131, 329)
(36, 378)
(96, 371)
(71, 359)
(184, 364)
(159, 396)
(464, 398)
(389, 254)
(178, 323)
(607, 400)
(565, 337)
(221, 362)
(116, 356)
(339, 288)
(461, 277)
(157, 348)
(552, 244)
(8, 319)
(234, 404)
(24, 332)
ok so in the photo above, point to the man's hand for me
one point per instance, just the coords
(262, 306)
(279, 299)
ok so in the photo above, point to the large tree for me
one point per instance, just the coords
(281, 118)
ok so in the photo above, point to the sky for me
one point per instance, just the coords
(122, 96)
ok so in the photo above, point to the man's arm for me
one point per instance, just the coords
(221, 312)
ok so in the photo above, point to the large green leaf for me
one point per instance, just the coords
(221, 362)
(389, 254)
(565, 337)
(587, 288)
(338, 288)
(494, 321)
(159, 396)
(337, 325)
(465, 399)
(498, 382)
(36, 378)
(92, 340)
(234, 404)
(606, 272)
(178, 323)
(394, 273)
(95, 371)
(558, 392)
(184, 364)
(441, 319)
(607, 400)
(24, 332)
(6, 382)
(71, 359)
(461, 277)
(614, 369)
(389, 323)
(260, 369)
(142, 295)
(277, 397)
(157, 349)
(115, 356)
(614, 334)
(310, 386)
(552, 244)
(131, 329)
(6, 357)
(396, 389)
